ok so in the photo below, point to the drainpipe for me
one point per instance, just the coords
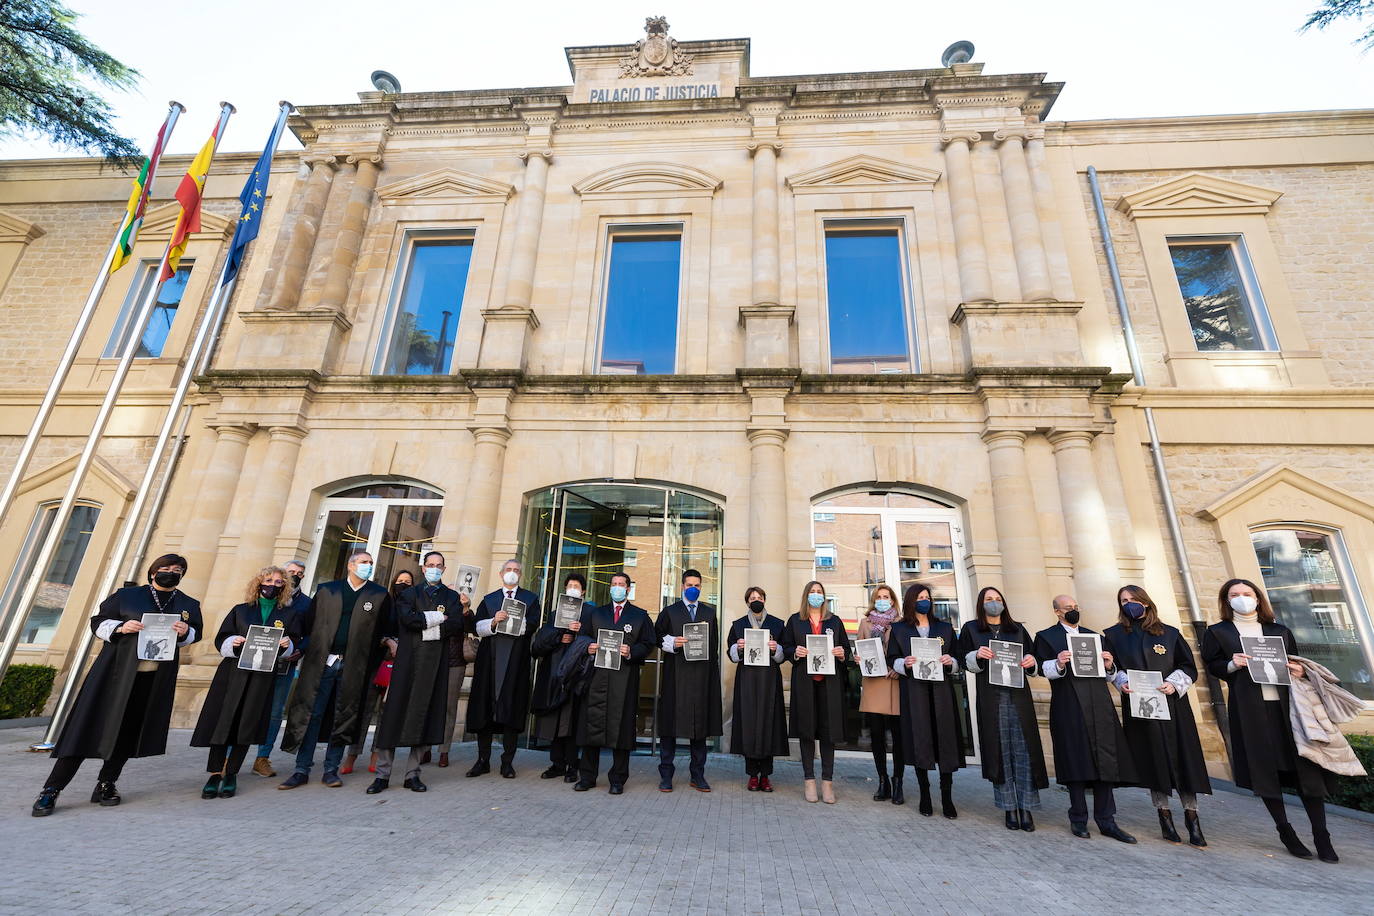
(1197, 619)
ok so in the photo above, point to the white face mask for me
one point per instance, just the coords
(1243, 604)
(573, 592)
(510, 577)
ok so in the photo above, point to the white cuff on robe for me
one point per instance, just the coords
(227, 647)
(899, 666)
(106, 628)
(1051, 668)
(668, 644)
(484, 627)
(734, 653)
(971, 660)
(778, 654)
(189, 638)
(1120, 679)
(1180, 681)
(434, 618)
(1232, 667)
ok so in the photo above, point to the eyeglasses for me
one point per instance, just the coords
(1071, 607)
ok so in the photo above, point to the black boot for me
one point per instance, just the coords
(923, 780)
(1013, 820)
(47, 802)
(897, 797)
(1027, 821)
(1195, 837)
(1325, 851)
(947, 795)
(884, 788)
(1292, 843)
(1166, 826)
(211, 789)
(105, 794)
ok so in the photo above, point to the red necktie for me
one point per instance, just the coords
(617, 613)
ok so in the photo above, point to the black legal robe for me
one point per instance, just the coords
(689, 699)
(759, 725)
(500, 697)
(1089, 744)
(238, 705)
(805, 722)
(416, 709)
(989, 734)
(548, 649)
(1264, 755)
(103, 723)
(1168, 755)
(931, 723)
(370, 623)
(607, 717)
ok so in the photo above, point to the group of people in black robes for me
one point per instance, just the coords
(584, 703)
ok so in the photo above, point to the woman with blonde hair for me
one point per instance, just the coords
(238, 706)
(880, 700)
(817, 698)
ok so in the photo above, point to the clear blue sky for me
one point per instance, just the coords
(1163, 57)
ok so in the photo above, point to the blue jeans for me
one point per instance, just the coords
(279, 692)
(333, 756)
(667, 746)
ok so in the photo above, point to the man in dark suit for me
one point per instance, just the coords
(500, 697)
(348, 623)
(689, 702)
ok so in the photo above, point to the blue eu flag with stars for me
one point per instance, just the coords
(254, 199)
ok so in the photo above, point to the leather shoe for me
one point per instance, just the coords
(229, 787)
(1080, 830)
(47, 802)
(1116, 833)
(263, 767)
(1027, 822)
(378, 785)
(753, 783)
(1013, 822)
(425, 757)
(294, 780)
(332, 780)
(701, 785)
(765, 785)
(584, 786)
(665, 785)
(507, 771)
(553, 772)
(570, 776)
(105, 794)
(414, 785)
(479, 768)
(211, 789)
(443, 758)
(617, 790)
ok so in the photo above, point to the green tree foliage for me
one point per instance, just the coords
(1332, 11)
(47, 73)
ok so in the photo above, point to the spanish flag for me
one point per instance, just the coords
(189, 196)
(138, 204)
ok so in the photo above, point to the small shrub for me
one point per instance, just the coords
(25, 690)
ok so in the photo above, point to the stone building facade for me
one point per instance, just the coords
(848, 326)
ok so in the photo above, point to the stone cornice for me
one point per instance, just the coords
(1252, 126)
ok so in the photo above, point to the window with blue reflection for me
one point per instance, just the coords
(863, 269)
(640, 333)
(425, 326)
(155, 335)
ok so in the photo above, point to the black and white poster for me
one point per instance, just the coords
(157, 641)
(567, 611)
(466, 584)
(1085, 655)
(818, 657)
(1004, 668)
(871, 660)
(608, 643)
(514, 624)
(696, 649)
(756, 648)
(926, 652)
(1268, 659)
(259, 649)
(1147, 702)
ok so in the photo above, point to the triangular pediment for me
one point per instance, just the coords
(101, 472)
(863, 173)
(1283, 494)
(658, 179)
(444, 186)
(159, 223)
(14, 229)
(1197, 194)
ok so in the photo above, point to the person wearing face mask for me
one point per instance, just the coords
(125, 703)
(689, 701)
(881, 701)
(1168, 754)
(376, 692)
(817, 699)
(349, 626)
(758, 730)
(500, 695)
(238, 705)
(417, 696)
(1008, 733)
(611, 702)
(557, 724)
(297, 603)
(931, 723)
(1090, 748)
(1264, 753)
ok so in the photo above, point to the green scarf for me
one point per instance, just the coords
(266, 606)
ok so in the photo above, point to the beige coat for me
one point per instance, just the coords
(880, 695)
(1318, 705)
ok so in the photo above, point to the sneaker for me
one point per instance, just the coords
(263, 767)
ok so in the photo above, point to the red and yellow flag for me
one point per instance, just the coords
(189, 196)
(138, 205)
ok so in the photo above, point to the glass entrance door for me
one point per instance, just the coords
(393, 522)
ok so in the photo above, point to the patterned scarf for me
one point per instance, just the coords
(879, 622)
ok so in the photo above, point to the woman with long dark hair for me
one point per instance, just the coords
(1264, 754)
(929, 710)
(1168, 752)
(817, 699)
(1008, 734)
(880, 701)
(758, 731)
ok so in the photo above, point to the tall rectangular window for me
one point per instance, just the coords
(56, 587)
(164, 312)
(1219, 291)
(639, 336)
(424, 323)
(867, 299)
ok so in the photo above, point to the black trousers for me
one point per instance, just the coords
(879, 727)
(667, 746)
(226, 758)
(1104, 803)
(758, 766)
(563, 752)
(64, 770)
(509, 741)
(591, 765)
(808, 758)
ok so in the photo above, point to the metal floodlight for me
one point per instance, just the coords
(961, 52)
(385, 82)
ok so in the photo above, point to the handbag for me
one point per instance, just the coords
(383, 677)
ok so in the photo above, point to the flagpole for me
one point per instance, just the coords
(83, 323)
(54, 537)
(178, 416)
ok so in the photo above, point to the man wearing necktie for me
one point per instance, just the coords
(689, 701)
(500, 697)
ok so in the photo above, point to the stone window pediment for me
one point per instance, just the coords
(443, 186)
(863, 174)
(1197, 194)
(14, 229)
(1284, 494)
(648, 179)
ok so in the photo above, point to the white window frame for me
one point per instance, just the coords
(1249, 284)
(138, 288)
(873, 223)
(401, 275)
(27, 556)
(620, 229)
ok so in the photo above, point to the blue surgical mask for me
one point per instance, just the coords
(691, 593)
(619, 593)
(815, 600)
(882, 605)
(1134, 609)
(433, 574)
(923, 606)
(363, 571)
(993, 608)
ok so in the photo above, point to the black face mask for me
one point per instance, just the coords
(295, 581)
(1072, 617)
(399, 589)
(166, 578)
(269, 591)
(756, 607)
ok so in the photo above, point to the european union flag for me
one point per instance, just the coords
(253, 198)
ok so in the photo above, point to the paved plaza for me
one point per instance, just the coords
(494, 845)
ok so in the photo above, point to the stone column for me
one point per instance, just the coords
(765, 281)
(768, 512)
(295, 261)
(1027, 240)
(1056, 251)
(529, 220)
(262, 516)
(348, 240)
(1018, 528)
(1091, 544)
(211, 504)
(975, 281)
(483, 495)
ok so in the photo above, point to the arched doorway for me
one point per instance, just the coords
(392, 520)
(650, 531)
